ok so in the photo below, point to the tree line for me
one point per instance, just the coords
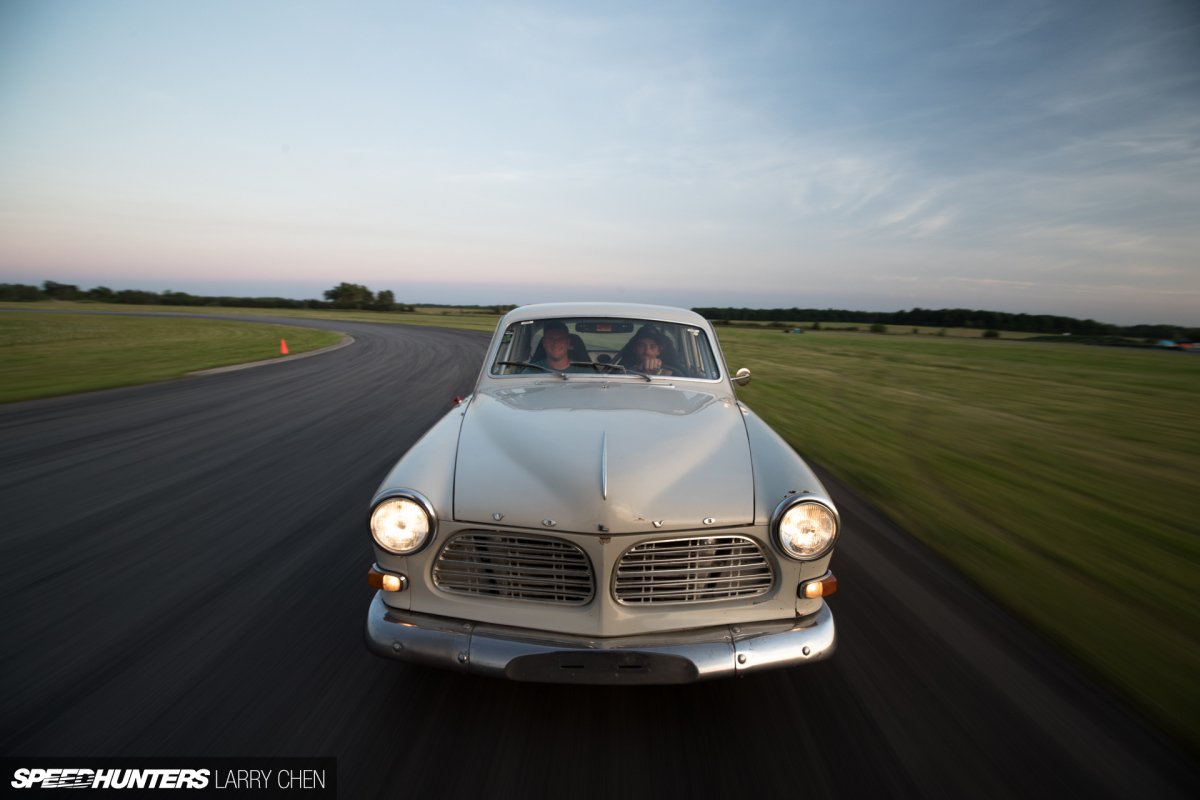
(343, 296)
(358, 297)
(949, 318)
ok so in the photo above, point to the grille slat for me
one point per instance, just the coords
(517, 577)
(530, 546)
(667, 567)
(515, 567)
(712, 581)
(454, 558)
(668, 561)
(699, 570)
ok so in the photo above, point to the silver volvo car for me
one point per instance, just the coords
(602, 509)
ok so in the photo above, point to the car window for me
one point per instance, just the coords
(608, 346)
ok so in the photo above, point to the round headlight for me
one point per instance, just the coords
(400, 525)
(806, 530)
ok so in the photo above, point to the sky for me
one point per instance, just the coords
(1039, 157)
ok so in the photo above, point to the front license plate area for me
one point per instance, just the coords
(602, 667)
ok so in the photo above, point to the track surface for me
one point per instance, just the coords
(182, 573)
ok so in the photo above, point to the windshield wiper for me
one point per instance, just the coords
(535, 366)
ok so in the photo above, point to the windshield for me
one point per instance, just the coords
(605, 346)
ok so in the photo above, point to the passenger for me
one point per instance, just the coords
(649, 352)
(556, 343)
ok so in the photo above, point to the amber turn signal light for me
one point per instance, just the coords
(389, 583)
(822, 587)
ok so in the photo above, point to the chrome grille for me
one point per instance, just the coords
(516, 567)
(703, 569)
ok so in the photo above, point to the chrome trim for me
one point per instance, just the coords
(795, 499)
(604, 464)
(420, 500)
(681, 553)
(506, 652)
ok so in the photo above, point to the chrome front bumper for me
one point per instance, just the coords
(542, 656)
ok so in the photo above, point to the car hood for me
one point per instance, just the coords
(551, 451)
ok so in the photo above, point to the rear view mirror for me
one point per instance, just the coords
(742, 377)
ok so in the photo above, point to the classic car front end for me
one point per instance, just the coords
(623, 519)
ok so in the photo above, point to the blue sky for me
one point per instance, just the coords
(1021, 156)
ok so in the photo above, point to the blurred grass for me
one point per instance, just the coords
(1062, 480)
(433, 317)
(43, 355)
(865, 327)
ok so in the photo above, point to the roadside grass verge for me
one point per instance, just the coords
(437, 318)
(43, 355)
(1062, 480)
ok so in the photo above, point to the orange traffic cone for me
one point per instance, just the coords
(283, 346)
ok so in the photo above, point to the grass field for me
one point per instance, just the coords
(865, 327)
(1062, 480)
(42, 355)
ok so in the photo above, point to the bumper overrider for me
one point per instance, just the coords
(542, 656)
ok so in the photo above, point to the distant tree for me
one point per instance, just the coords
(136, 297)
(942, 332)
(879, 327)
(101, 294)
(991, 334)
(61, 291)
(20, 292)
(385, 301)
(816, 326)
(350, 295)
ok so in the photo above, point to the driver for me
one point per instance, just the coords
(556, 342)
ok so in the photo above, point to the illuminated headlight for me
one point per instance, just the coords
(400, 525)
(806, 530)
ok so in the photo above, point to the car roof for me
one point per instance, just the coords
(635, 310)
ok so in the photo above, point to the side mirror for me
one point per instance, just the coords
(742, 377)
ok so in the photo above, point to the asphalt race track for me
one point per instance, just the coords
(183, 573)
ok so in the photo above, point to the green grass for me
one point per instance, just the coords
(43, 355)
(434, 317)
(865, 327)
(1062, 480)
